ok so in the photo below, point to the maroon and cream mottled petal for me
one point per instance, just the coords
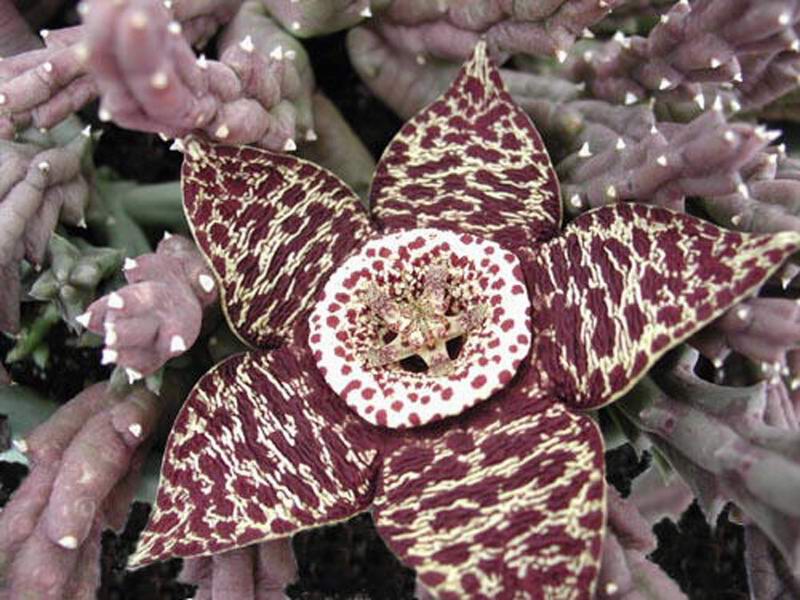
(261, 448)
(470, 162)
(625, 283)
(273, 228)
(506, 502)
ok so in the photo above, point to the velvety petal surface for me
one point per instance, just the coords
(273, 228)
(505, 502)
(472, 162)
(625, 283)
(261, 448)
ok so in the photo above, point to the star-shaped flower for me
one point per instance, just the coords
(429, 362)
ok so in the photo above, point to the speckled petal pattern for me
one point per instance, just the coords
(508, 502)
(261, 449)
(273, 228)
(626, 283)
(470, 162)
(483, 276)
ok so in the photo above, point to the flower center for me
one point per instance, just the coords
(421, 325)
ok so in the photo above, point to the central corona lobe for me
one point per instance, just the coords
(421, 325)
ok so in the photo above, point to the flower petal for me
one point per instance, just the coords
(625, 283)
(273, 228)
(470, 162)
(261, 449)
(508, 500)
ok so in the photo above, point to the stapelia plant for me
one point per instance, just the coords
(433, 362)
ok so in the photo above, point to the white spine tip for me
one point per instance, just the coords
(611, 191)
(206, 283)
(222, 132)
(620, 144)
(290, 54)
(81, 52)
(611, 588)
(311, 135)
(168, 4)
(21, 445)
(662, 160)
(700, 100)
(742, 189)
(111, 334)
(630, 98)
(167, 235)
(664, 83)
(43, 166)
(784, 19)
(561, 55)
(290, 145)
(104, 115)
(247, 44)
(202, 62)
(584, 151)
(115, 301)
(366, 12)
(729, 136)
(277, 53)
(715, 63)
(70, 542)
(742, 313)
(3, 99)
(87, 131)
(82, 223)
(736, 220)
(587, 33)
(48, 67)
(133, 376)
(44, 33)
(174, 28)
(138, 20)
(109, 357)
(84, 319)
(576, 201)
(136, 430)
(295, 25)
(177, 344)
(718, 362)
(159, 80)
(177, 146)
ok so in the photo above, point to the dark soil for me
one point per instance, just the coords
(347, 560)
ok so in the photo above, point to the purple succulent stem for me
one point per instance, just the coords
(625, 571)
(763, 329)
(15, 34)
(717, 438)
(158, 315)
(698, 51)
(39, 186)
(85, 460)
(150, 79)
(449, 30)
(767, 572)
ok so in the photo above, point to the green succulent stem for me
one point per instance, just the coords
(33, 336)
(159, 204)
